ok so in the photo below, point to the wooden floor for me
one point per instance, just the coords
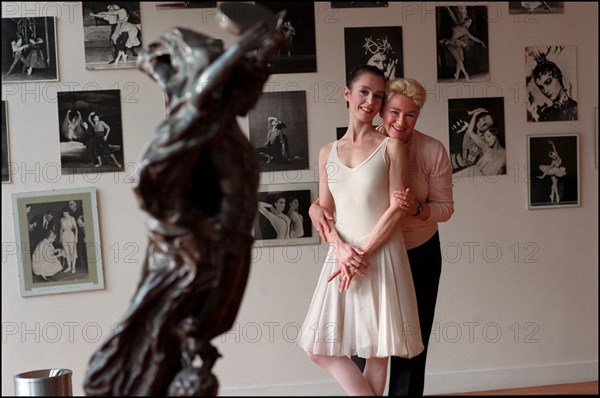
(587, 388)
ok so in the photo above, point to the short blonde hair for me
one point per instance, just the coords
(408, 87)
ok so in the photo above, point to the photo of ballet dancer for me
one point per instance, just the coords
(462, 43)
(553, 163)
(29, 50)
(282, 217)
(90, 132)
(536, 7)
(278, 131)
(378, 46)
(112, 34)
(477, 137)
(299, 55)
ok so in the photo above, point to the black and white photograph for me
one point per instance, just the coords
(299, 55)
(282, 217)
(462, 43)
(29, 50)
(379, 46)
(90, 131)
(278, 130)
(358, 4)
(112, 34)
(174, 5)
(477, 136)
(59, 242)
(551, 83)
(553, 164)
(536, 7)
(5, 151)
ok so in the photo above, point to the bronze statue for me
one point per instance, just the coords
(198, 183)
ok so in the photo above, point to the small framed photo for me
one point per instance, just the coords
(174, 5)
(29, 50)
(380, 46)
(282, 218)
(112, 34)
(299, 55)
(551, 83)
(5, 151)
(536, 7)
(477, 136)
(553, 171)
(279, 132)
(358, 4)
(91, 131)
(58, 241)
(462, 43)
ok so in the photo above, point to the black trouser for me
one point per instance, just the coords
(407, 376)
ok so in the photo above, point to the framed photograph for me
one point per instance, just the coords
(282, 217)
(90, 133)
(174, 5)
(378, 46)
(477, 136)
(358, 4)
(112, 34)
(553, 171)
(551, 83)
(5, 151)
(58, 238)
(462, 43)
(536, 7)
(299, 55)
(29, 50)
(278, 130)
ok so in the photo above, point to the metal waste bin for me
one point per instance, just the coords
(44, 382)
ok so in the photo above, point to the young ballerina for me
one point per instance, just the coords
(555, 171)
(371, 314)
(458, 41)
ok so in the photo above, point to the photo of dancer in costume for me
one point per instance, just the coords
(462, 36)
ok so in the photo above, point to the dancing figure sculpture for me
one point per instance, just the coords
(198, 184)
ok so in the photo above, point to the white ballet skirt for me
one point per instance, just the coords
(377, 316)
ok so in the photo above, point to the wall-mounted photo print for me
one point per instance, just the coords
(278, 130)
(553, 163)
(358, 4)
(299, 55)
(91, 132)
(462, 43)
(551, 83)
(282, 217)
(378, 46)
(112, 34)
(175, 5)
(5, 151)
(477, 137)
(536, 7)
(59, 242)
(29, 50)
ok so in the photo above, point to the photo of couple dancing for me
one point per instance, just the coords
(90, 131)
(112, 34)
(32, 45)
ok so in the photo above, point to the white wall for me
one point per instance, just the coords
(545, 310)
